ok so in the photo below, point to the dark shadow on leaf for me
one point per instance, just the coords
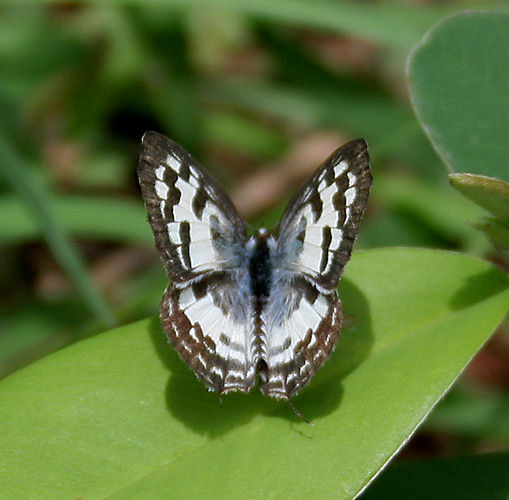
(323, 395)
(205, 413)
(188, 400)
(479, 287)
(315, 401)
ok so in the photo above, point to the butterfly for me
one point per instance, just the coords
(261, 309)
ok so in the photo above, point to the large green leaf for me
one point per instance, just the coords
(120, 416)
(458, 77)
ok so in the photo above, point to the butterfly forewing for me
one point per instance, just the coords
(195, 225)
(320, 224)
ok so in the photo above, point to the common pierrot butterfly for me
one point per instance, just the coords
(264, 308)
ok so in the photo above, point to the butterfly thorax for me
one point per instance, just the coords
(260, 249)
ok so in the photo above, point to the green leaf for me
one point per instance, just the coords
(491, 194)
(458, 77)
(465, 478)
(120, 416)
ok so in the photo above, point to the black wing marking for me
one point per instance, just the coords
(320, 224)
(196, 227)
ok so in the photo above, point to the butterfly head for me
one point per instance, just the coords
(261, 238)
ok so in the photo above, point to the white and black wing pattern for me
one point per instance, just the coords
(318, 229)
(196, 227)
(206, 312)
(302, 327)
(238, 308)
(315, 240)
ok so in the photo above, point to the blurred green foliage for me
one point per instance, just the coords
(238, 83)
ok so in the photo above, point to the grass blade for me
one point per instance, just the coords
(18, 175)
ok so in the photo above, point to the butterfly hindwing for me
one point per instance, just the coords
(209, 325)
(320, 224)
(301, 334)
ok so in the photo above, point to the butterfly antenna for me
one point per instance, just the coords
(299, 414)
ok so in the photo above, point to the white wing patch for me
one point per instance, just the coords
(350, 196)
(160, 172)
(187, 194)
(162, 190)
(174, 163)
(203, 254)
(341, 167)
(282, 339)
(324, 235)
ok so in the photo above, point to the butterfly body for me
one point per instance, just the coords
(262, 308)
